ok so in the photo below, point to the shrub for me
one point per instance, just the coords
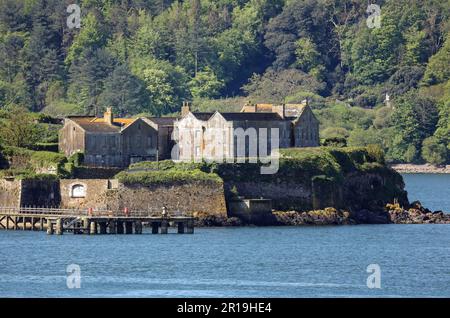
(376, 153)
(434, 152)
(334, 142)
(166, 177)
(76, 159)
(45, 146)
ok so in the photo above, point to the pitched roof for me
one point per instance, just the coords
(163, 121)
(94, 124)
(202, 116)
(119, 121)
(294, 110)
(251, 116)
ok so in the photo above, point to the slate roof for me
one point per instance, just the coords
(202, 116)
(251, 116)
(163, 121)
(98, 125)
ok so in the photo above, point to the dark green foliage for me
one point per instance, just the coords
(434, 152)
(77, 159)
(334, 142)
(46, 146)
(169, 176)
(124, 92)
(23, 161)
(150, 56)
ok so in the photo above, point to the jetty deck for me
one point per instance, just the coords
(92, 222)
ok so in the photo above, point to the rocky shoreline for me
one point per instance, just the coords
(426, 168)
(416, 214)
(393, 214)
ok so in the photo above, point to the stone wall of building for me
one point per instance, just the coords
(94, 193)
(10, 192)
(15, 193)
(198, 197)
(40, 193)
(285, 196)
(253, 211)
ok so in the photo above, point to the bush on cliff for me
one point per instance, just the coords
(23, 161)
(169, 176)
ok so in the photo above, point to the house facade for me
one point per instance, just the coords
(253, 132)
(116, 142)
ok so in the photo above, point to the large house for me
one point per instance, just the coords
(116, 142)
(253, 132)
(249, 133)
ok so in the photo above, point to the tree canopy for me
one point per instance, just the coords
(148, 56)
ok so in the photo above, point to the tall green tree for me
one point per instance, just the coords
(124, 92)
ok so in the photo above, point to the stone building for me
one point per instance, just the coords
(116, 142)
(252, 132)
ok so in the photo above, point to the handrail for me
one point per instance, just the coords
(87, 212)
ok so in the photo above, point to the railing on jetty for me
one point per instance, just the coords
(88, 212)
(92, 221)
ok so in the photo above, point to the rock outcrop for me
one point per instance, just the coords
(328, 216)
(416, 214)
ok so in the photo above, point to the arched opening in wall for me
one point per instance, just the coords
(78, 191)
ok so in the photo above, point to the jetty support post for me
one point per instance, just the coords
(180, 227)
(119, 227)
(128, 227)
(164, 227)
(155, 227)
(93, 228)
(49, 227)
(102, 227)
(41, 224)
(59, 227)
(138, 227)
(190, 227)
(112, 227)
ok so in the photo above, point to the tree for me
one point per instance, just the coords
(19, 128)
(124, 92)
(91, 37)
(307, 55)
(166, 85)
(414, 119)
(87, 77)
(411, 154)
(301, 19)
(433, 152)
(438, 70)
(206, 85)
(276, 86)
(147, 40)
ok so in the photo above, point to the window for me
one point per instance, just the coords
(78, 191)
(197, 151)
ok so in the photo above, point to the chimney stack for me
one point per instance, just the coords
(108, 116)
(185, 109)
(280, 110)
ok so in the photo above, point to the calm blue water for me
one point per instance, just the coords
(232, 262)
(432, 190)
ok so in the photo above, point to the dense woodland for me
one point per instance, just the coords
(147, 57)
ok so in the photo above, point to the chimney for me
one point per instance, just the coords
(108, 116)
(249, 107)
(280, 110)
(185, 109)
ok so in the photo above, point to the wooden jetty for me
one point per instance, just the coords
(90, 221)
